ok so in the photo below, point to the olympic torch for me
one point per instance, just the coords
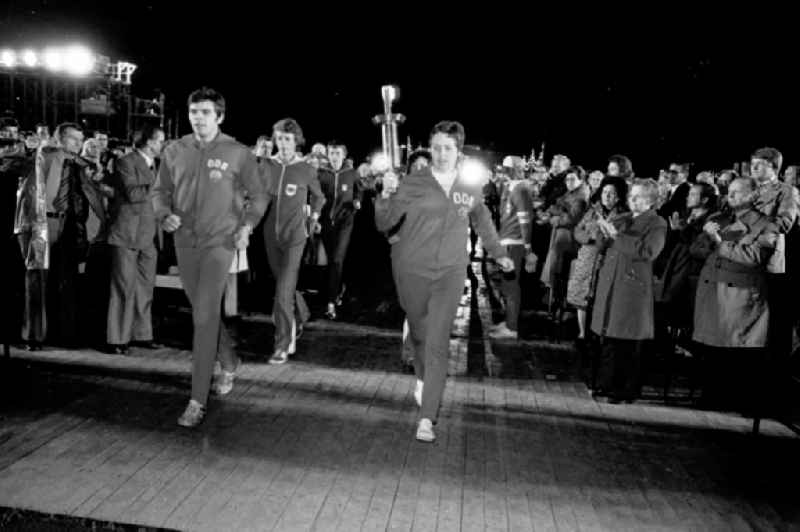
(388, 122)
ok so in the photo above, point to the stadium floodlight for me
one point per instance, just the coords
(75, 60)
(8, 58)
(53, 59)
(78, 60)
(29, 58)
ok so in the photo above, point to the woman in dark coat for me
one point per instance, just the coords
(622, 314)
(679, 281)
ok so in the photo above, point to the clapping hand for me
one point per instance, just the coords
(530, 262)
(242, 237)
(674, 221)
(506, 264)
(171, 223)
(712, 229)
(607, 228)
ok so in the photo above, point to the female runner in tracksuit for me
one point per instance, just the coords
(429, 259)
(286, 231)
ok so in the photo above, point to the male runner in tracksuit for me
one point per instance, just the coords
(342, 199)
(286, 231)
(200, 195)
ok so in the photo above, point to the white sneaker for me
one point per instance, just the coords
(279, 357)
(193, 415)
(425, 430)
(418, 393)
(223, 384)
(503, 333)
(497, 326)
(331, 312)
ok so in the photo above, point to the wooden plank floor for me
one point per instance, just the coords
(304, 447)
(317, 446)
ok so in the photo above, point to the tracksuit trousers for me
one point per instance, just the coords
(336, 239)
(430, 304)
(203, 272)
(289, 310)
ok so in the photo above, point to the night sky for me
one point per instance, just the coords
(668, 86)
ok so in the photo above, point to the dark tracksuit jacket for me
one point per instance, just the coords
(206, 185)
(341, 189)
(433, 238)
(429, 262)
(292, 188)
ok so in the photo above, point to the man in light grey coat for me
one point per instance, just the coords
(732, 314)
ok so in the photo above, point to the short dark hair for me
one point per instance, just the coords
(208, 94)
(8, 121)
(620, 185)
(289, 125)
(418, 154)
(62, 128)
(771, 155)
(335, 143)
(451, 128)
(578, 170)
(708, 193)
(623, 163)
(145, 133)
(685, 168)
(100, 132)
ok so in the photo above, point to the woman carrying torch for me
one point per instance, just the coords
(429, 257)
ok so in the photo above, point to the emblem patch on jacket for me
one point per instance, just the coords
(217, 167)
(462, 198)
(344, 187)
(291, 189)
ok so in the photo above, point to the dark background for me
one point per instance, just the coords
(656, 86)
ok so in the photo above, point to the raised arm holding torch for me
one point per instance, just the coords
(390, 160)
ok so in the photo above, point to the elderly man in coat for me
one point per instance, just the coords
(623, 310)
(731, 311)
